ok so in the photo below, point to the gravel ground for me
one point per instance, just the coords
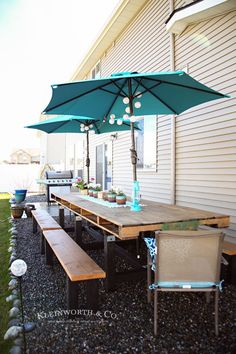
(124, 323)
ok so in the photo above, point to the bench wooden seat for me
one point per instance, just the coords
(77, 265)
(45, 221)
(229, 248)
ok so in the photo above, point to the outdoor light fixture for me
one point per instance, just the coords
(19, 268)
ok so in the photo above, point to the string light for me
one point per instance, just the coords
(132, 119)
(119, 121)
(125, 116)
(137, 105)
(111, 121)
(127, 110)
(126, 100)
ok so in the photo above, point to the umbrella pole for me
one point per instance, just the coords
(87, 158)
(133, 152)
(132, 149)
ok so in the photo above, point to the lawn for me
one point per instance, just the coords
(4, 265)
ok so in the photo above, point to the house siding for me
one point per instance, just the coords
(205, 135)
(131, 52)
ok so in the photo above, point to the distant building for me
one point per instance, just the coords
(25, 156)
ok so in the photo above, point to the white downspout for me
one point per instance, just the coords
(173, 123)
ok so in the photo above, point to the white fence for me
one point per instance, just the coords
(19, 177)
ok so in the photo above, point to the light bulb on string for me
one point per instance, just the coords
(111, 121)
(127, 110)
(90, 126)
(137, 105)
(86, 128)
(119, 121)
(81, 125)
(112, 116)
(132, 119)
(126, 100)
(82, 129)
(125, 116)
(138, 94)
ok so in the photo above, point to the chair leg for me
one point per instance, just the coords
(155, 312)
(217, 312)
(148, 278)
(208, 297)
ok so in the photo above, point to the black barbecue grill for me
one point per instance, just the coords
(55, 179)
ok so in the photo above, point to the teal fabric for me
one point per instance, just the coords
(179, 284)
(71, 124)
(162, 93)
(151, 245)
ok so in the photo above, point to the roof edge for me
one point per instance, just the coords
(124, 13)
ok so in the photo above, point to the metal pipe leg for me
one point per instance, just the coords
(217, 312)
(62, 217)
(48, 254)
(34, 224)
(109, 254)
(92, 294)
(71, 294)
(78, 231)
(208, 297)
(149, 276)
(42, 243)
(155, 312)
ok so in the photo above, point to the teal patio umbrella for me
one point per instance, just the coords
(130, 94)
(74, 124)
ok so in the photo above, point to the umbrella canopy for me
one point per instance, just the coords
(132, 94)
(73, 124)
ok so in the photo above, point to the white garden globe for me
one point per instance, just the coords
(18, 267)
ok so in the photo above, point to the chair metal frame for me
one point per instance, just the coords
(160, 234)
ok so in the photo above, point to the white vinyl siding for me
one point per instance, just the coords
(206, 135)
(131, 52)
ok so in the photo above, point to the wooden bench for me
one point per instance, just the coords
(44, 221)
(77, 265)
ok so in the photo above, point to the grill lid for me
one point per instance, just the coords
(58, 174)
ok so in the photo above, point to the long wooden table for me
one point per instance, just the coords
(124, 224)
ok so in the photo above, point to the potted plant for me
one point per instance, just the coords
(91, 187)
(97, 188)
(82, 185)
(120, 197)
(111, 196)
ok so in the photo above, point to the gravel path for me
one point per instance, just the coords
(124, 323)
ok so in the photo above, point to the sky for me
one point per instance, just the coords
(41, 43)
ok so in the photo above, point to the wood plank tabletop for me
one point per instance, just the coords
(130, 223)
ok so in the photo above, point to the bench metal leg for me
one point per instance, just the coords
(34, 224)
(78, 231)
(92, 294)
(62, 217)
(71, 294)
(109, 254)
(48, 254)
(42, 244)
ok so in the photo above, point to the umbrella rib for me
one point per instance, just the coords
(98, 131)
(117, 95)
(153, 94)
(53, 130)
(76, 97)
(189, 87)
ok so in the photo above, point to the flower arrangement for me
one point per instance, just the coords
(120, 197)
(81, 184)
(111, 196)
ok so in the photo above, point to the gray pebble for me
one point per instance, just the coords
(13, 332)
(15, 350)
(14, 311)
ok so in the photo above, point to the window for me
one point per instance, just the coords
(146, 143)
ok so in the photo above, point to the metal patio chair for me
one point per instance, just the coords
(184, 261)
